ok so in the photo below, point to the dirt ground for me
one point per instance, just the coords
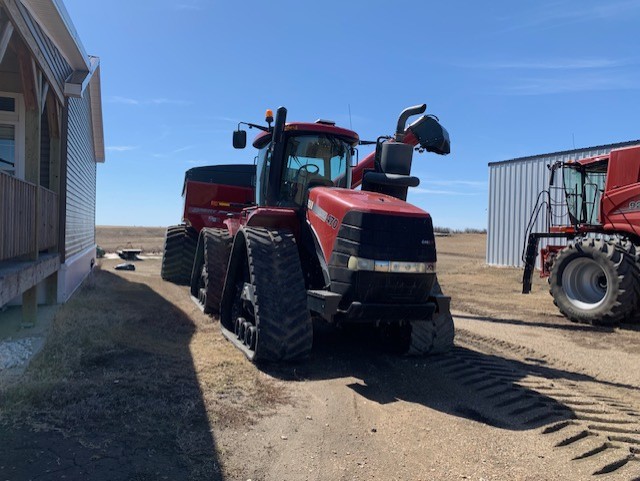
(136, 383)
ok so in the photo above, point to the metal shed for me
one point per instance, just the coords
(514, 186)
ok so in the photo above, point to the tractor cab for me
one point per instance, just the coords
(295, 157)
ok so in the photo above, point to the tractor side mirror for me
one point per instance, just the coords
(239, 139)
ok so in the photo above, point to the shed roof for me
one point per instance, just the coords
(569, 152)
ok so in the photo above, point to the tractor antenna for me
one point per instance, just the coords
(573, 137)
(350, 124)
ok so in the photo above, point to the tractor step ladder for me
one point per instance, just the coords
(530, 261)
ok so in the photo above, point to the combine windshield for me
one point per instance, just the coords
(314, 160)
(583, 188)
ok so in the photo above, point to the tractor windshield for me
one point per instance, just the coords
(313, 160)
(583, 186)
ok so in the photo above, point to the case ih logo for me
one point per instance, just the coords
(332, 221)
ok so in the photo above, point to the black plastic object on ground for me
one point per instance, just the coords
(129, 254)
(125, 266)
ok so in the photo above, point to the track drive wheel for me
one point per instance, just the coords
(178, 253)
(594, 281)
(210, 268)
(264, 303)
(436, 335)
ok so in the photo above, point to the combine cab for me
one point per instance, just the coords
(593, 278)
(313, 247)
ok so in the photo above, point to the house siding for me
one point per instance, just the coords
(61, 69)
(81, 178)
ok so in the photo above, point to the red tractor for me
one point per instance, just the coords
(312, 247)
(594, 277)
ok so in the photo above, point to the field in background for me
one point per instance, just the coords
(149, 239)
(489, 291)
(474, 287)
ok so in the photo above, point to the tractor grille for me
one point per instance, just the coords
(382, 237)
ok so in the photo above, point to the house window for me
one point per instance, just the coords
(8, 149)
(11, 134)
(7, 104)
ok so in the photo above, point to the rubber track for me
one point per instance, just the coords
(178, 254)
(285, 331)
(217, 248)
(434, 336)
(622, 257)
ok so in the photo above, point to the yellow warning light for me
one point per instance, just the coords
(268, 116)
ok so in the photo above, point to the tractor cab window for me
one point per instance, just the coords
(262, 174)
(313, 160)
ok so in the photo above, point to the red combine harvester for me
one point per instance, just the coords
(312, 247)
(594, 277)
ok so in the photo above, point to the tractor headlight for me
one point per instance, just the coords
(361, 264)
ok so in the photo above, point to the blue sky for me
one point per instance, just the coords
(507, 79)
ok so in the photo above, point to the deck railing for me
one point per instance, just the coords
(18, 217)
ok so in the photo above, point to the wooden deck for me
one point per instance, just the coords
(16, 277)
(20, 222)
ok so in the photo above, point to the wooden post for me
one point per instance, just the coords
(54, 118)
(31, 86)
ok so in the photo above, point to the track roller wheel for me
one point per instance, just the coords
(265, 287)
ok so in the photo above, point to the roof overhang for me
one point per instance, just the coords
(53, 18)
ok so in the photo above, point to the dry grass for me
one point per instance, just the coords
(489, 291)
(149, 239)
(124, 366)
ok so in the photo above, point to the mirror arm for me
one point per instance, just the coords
(261, 127)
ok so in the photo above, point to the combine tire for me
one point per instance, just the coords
(178, 254)
(264, 304)
(210, 268)
(594, 281)
(434, 336)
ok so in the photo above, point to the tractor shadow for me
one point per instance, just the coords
(488, 389)
(129, 406)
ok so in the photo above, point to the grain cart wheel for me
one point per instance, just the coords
(594, 281)
(434, 336)
(178, 254)
(265, 286)
(210, 268)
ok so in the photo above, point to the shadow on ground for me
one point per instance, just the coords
(465, 383)
(113, 396)
(563, 325)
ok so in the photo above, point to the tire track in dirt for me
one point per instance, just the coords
(598, 432)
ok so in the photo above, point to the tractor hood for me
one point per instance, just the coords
(328, 206)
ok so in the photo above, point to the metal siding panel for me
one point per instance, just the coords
(81, 178)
